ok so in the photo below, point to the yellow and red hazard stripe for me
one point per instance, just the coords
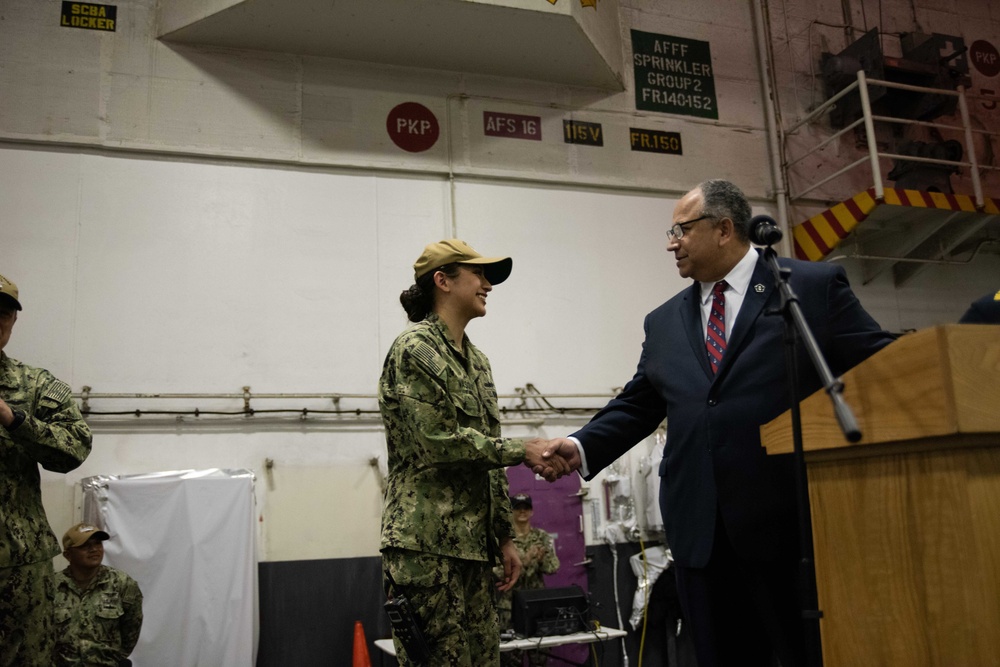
(816, 238)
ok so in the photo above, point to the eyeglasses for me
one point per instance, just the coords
(677, 231)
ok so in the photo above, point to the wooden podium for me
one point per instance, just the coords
(906, 522)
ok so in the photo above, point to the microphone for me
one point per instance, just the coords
(764, 230)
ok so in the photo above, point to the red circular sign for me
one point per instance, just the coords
(412, 127)
(984, 57)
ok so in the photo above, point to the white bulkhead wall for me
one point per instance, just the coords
(196, 219)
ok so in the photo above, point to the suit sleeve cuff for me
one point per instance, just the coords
(584, 471)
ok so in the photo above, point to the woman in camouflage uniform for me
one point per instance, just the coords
(446, 518)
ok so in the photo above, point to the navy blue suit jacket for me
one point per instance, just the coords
(713, 460)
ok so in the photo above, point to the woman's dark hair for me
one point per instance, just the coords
(418, 300)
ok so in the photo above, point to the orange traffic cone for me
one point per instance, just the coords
(361, 658)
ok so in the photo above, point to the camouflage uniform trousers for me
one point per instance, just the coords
(26, 615)
(455, 604)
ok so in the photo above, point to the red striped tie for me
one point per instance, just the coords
(715, 340)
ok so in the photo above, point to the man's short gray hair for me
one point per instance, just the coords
(722, 199)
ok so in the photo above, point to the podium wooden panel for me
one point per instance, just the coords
(906, 523)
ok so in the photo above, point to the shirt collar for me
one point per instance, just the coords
(738, 277)
(441, 328)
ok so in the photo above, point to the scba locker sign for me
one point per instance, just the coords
(413, 127)
(88, 16)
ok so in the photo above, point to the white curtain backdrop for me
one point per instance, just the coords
(188, 539)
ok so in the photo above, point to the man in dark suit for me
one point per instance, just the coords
(713, 365)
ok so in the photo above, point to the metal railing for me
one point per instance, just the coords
(861, 86)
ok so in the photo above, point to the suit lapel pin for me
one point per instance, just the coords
(758, 288)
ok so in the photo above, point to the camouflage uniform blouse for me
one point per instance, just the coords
(447, 491)
(54, 435)
(97, 626)
(533, 567)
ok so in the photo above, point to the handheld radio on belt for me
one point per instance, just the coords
(405, 625)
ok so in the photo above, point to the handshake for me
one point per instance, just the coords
(552, 459)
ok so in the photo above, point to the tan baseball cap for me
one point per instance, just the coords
(9, 290)
(80, 533)
(496, 269)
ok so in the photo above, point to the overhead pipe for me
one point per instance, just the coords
(348, 416)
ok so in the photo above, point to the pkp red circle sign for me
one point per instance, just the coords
(412, 127)
(984, 57)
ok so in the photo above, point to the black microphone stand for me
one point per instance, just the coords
(796, 329)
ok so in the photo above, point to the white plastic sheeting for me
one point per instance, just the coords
(647, 571)
(188, 539)
(649, 469)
